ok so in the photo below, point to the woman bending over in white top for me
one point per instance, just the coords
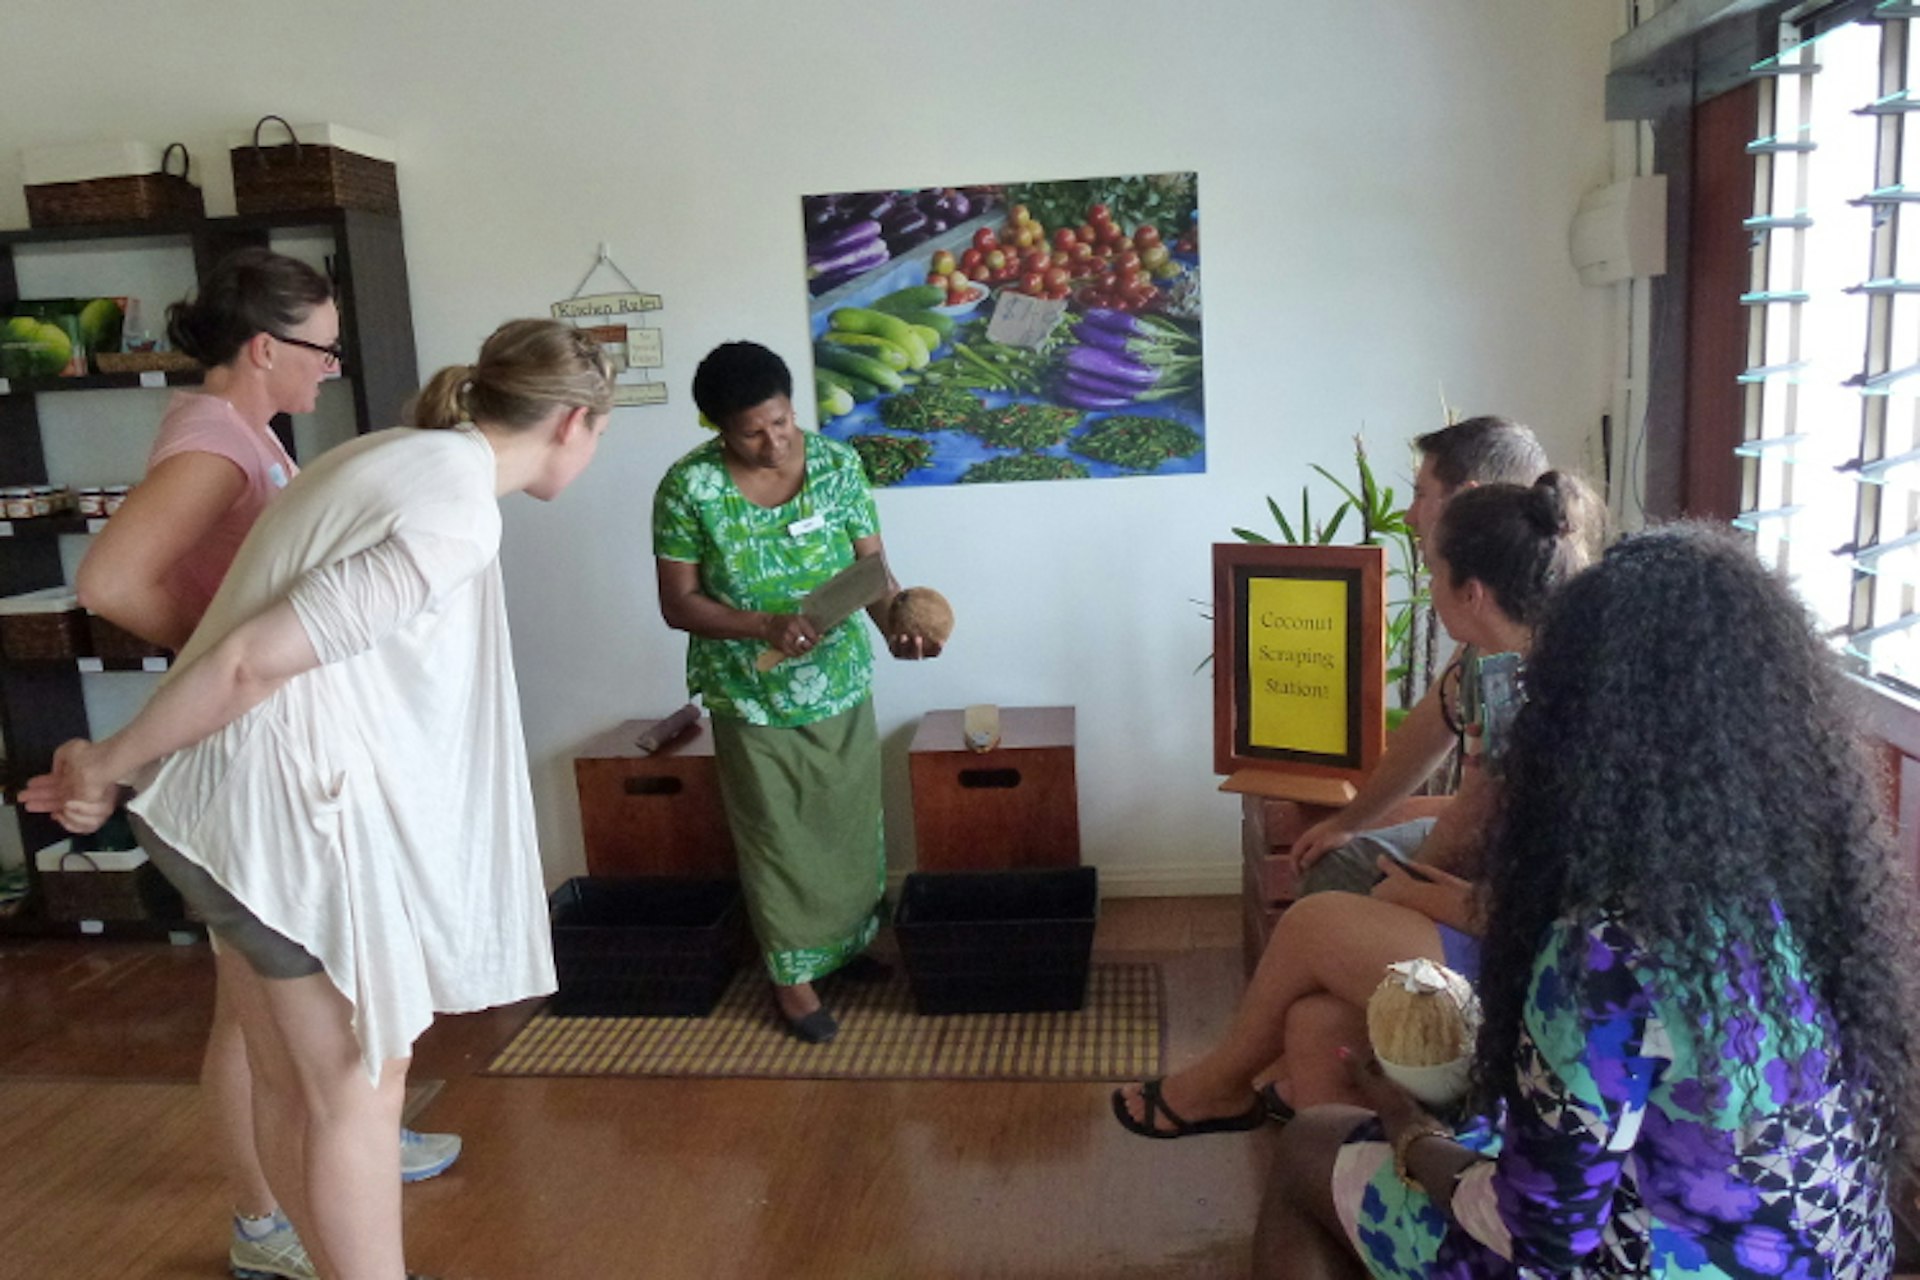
(267, 329)
(334, 773)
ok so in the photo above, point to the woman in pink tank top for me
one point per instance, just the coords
(267, 330)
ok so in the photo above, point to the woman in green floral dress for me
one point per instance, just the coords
(743, 528)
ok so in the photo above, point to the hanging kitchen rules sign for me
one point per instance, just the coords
(1022, 331)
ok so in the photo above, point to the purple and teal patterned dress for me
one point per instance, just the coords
(1618, 1160)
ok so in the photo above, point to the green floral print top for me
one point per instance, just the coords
(767, 559)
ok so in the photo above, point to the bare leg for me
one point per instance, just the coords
(1299, 1236)
(796, 1001)
(1337, 943)
(226, 1090)
(1318, 1027)
(279, 1118)
(326, 1131)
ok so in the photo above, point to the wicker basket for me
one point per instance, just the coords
(115, 642)
(297, 176)
(143, 362)
(42, 626)
(98, 886)
(135, 197)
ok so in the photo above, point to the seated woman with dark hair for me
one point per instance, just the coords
(1695, 1048)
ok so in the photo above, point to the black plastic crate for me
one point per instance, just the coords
(998, 941)
(645, 946)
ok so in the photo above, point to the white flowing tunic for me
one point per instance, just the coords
(376, 810)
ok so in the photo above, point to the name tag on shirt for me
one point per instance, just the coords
(277, 476)
(801, 528)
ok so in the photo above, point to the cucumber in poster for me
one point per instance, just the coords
(1025, 331)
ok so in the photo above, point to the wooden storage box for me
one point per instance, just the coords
(42, 626)
(107, 182)
(652, 815)
(1014, 806)
(287, 168)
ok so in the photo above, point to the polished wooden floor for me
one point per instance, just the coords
(101, 1174)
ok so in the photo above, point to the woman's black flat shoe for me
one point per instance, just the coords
(817, 1027)
(1277, 1107)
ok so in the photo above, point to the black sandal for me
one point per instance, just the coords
(817, 1027)
(1252, 1118)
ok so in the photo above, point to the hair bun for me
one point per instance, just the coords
(1547, 506)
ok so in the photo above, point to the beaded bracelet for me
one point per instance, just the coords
(1403, 1145)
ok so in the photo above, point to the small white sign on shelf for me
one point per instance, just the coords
(93, 926)
(153, 664)
(91, 666)
(153, 378)
(96, 523)
(6, 528)
(6, 387)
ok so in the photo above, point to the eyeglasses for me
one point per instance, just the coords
(333, 351)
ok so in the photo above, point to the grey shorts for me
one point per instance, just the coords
(1354, 866)
(271, 954)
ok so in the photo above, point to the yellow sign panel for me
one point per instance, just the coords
(1296, 664)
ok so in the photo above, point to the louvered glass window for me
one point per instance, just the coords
(1831, 448)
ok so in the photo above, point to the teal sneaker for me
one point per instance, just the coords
(426, 1155)
(277, 1255)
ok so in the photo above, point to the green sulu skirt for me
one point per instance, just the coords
(804, 808)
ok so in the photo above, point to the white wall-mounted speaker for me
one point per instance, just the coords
(1620, 232)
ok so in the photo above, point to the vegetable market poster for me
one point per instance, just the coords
(1024, 331)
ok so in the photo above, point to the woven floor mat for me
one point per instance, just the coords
(1119, 1035)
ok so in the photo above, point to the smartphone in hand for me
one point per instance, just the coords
(1409, 866)
(1499, 696)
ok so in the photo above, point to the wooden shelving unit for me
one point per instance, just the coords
(41, 704)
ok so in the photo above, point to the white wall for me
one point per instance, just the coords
(1385, 192)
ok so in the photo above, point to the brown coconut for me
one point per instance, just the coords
(923, 612)
(1422, 1015)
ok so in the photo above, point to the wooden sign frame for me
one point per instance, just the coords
(1361, 573)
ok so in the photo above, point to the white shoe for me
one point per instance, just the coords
(426, 1155)
(278, 1255)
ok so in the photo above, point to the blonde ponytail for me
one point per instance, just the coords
(442, 403)
(526, 369)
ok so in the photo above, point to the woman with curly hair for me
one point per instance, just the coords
(1695, 1051)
